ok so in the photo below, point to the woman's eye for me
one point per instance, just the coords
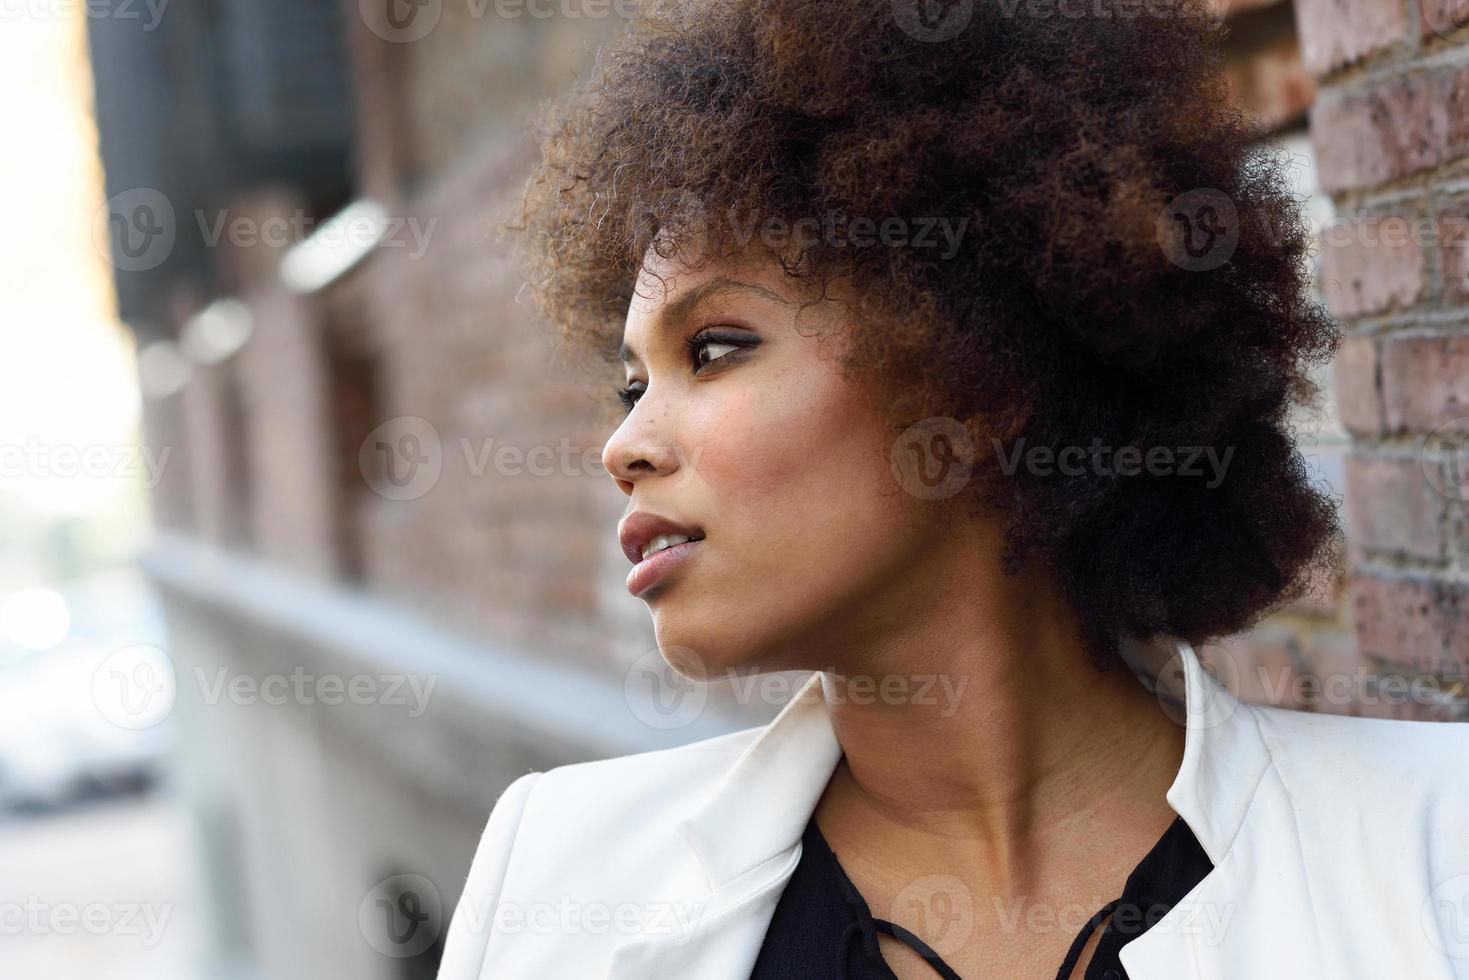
(706, 351)
(708, 346)
(629, 395)
(703, 350)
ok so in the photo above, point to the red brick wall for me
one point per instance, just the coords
(1391, 129)
(511, 546)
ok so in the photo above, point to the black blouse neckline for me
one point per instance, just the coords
(823, 928)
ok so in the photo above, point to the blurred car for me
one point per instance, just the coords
(57, 745)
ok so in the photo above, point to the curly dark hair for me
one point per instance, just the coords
(1132, 268)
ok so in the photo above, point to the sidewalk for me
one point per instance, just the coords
(100, 893)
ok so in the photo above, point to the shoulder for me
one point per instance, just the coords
(1387, 774)
(620, 794)
(582, 829)
(1375, 751)
(624, 796)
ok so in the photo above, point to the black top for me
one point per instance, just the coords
(823, 930)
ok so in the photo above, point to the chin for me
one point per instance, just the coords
(712, 648)
(700, 646)
(696, 654)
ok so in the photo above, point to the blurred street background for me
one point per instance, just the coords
(305, 547)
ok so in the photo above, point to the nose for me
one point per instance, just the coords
(640, 448)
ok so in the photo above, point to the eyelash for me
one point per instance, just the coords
(629, 395)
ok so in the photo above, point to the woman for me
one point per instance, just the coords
(958, 347)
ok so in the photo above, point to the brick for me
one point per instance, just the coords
(1455, 88)
(1273, 83)
(1338, 32)
(1453, 222)
(1356, 387)
(1418, 623)
(1425, 382)
(1397, 128)
(1394, 507)
(1457, 487)
(1374, 263)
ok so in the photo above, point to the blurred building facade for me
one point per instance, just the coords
(382, 473)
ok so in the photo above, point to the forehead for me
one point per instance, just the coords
(669, 284)
(671, 289)
(668, 291)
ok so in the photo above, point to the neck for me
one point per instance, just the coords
(988, 728)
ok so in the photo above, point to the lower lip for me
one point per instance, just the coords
(648, 572)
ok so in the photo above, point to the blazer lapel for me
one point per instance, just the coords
(1211, 934)
(724, 938)
(1261, 912)
(747, 837)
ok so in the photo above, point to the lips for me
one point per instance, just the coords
(638, 531)
(639, 528)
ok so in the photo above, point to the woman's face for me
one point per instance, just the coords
(745, 436)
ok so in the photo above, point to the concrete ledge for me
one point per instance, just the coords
(494, 712)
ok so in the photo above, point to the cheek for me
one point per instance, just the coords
(802, 462)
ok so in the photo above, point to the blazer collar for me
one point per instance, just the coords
(761, 806)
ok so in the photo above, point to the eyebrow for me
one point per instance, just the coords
(681, 308)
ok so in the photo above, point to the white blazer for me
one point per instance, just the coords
(1340, 848)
